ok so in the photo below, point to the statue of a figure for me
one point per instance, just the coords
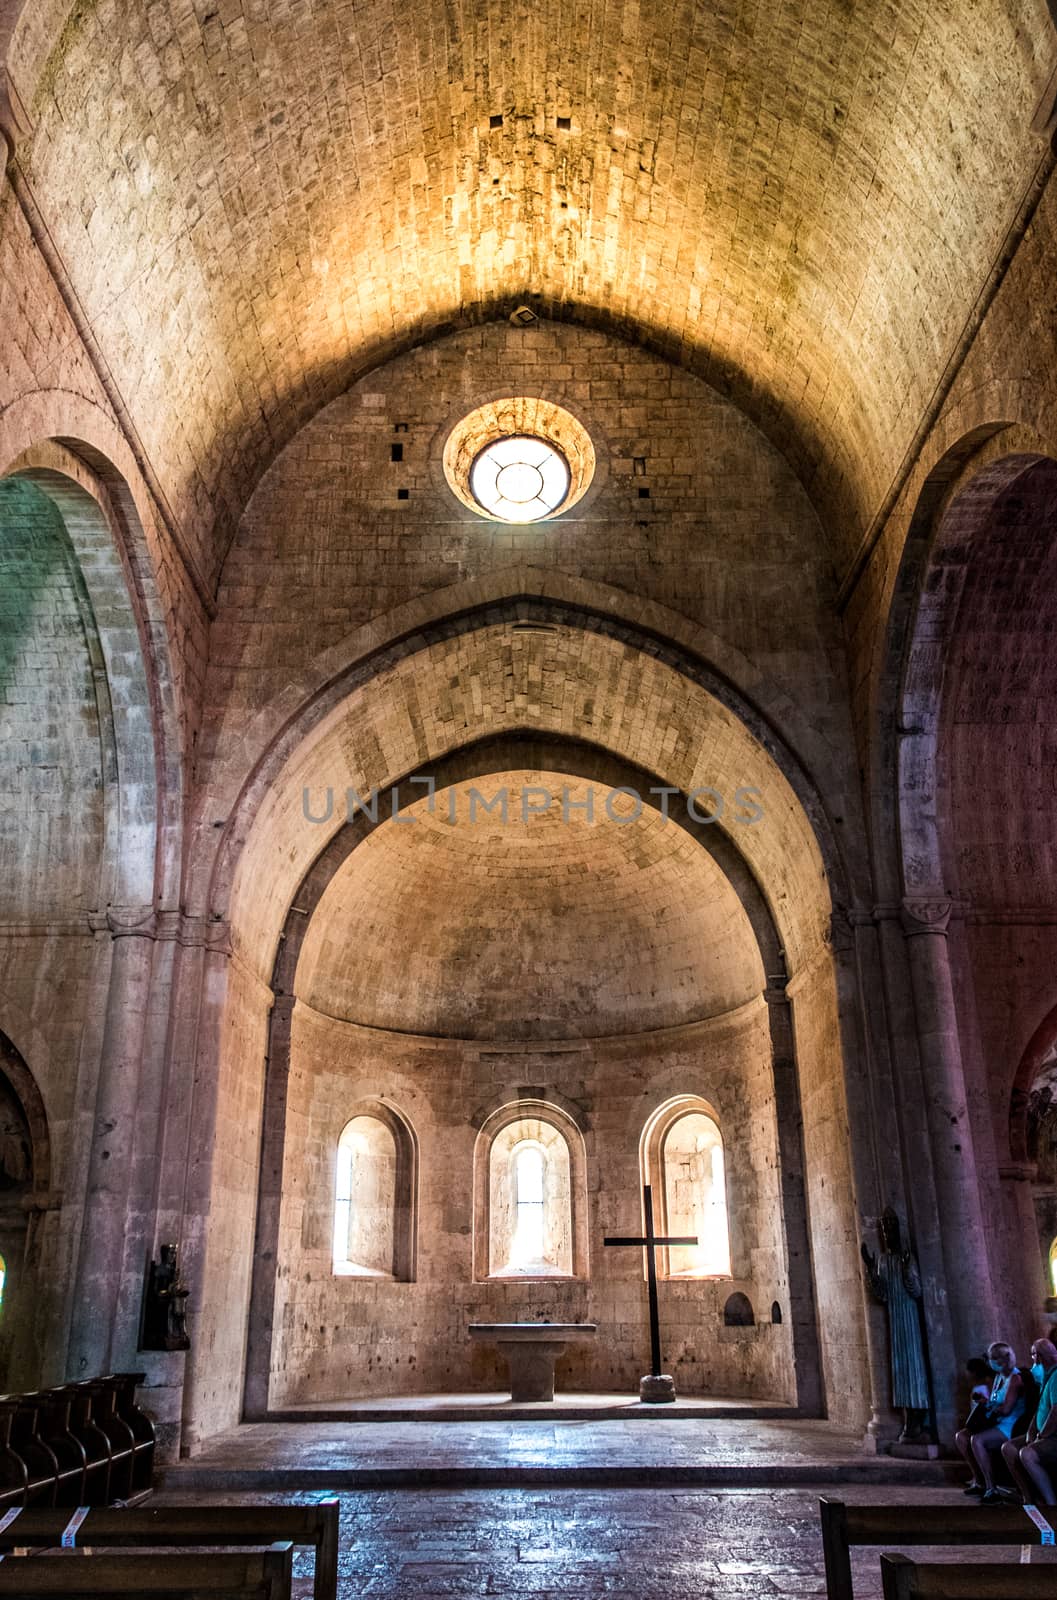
(896, 1282)
(165, 1309)
(1042, 1134)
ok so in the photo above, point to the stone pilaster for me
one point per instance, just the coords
(925, 923)
(98, 1276)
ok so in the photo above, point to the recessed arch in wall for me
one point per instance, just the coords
(505, 1244)
(790, 881)
(376, 1194)
(98, 542)
(681, 1157)
(25, 1198)
(497, 753)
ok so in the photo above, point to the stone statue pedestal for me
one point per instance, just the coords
(531, 1349)
(657, 1389)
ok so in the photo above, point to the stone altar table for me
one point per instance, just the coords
(531, 1349)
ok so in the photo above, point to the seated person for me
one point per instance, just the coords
(980, 1375)
(1032, 1459)
(1005, 1407)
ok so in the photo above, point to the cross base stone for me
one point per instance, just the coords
(656, 1388)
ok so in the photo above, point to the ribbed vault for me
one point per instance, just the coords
(800, 199)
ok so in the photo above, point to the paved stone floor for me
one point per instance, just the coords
(723, 1450)
(648, 1543)
(478, 1407)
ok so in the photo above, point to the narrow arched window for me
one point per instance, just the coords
(683, 1161)
(3, 1280)
(696, 1190)
(525, 1210)
(1053, 1267)
(374, 1198)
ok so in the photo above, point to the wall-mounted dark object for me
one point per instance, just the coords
(165, 1304)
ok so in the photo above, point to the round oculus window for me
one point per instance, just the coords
(520, 478)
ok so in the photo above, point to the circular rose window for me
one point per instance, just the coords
(519, 459)
(519, 479)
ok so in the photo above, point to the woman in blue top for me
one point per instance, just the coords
(1005, 1409)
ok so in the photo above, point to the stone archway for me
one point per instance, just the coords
(413, 706)
(572, 758)
(964, 748)
(99, 858)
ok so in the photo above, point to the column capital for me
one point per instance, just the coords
(132, 922)
(840, 935)
(1017, 1172)
(205, 933)
(925, 915)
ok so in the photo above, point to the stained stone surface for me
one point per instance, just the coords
(290, 1455)
(649, 1543)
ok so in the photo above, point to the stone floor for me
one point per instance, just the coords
(478, 1407)
(655, 1451)
(650, 1544)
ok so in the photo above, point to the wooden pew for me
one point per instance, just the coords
(141, 1427)
(14, 1479)
(144, 1527)
(903, 1579)
(119, 1435)
(95, 1444)
(42, 1469)
(239, 1575)
(844, 1526)
(53, 1429)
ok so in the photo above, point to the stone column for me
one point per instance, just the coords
(865, 1125)
(97, 1281)
(803, 1312)
(962, 1232)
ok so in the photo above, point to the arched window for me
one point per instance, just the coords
(1053, 1268)
(3, 1280)
(529, 1215)
(374, 1197)
(683, 1161)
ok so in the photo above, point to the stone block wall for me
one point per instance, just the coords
(339, 1337)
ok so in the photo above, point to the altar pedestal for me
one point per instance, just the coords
(531, 1349)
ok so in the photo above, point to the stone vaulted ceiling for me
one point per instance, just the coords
(255, 200)
(550, 924)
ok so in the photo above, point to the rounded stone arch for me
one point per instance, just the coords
(969, 470)
(113, 564)
(959, 534)
(523, 597)
(733, 731)
(539, 1119)
(959, 823)
(26, 1200)
(15, 1069)
(1035, 1052)
(330, 845)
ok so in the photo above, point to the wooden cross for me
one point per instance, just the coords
(651, 1242)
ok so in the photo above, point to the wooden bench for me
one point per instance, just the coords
(844, 1526)
(144, 1527)
(241, 1575)
(79, 1444)
(903, 1579)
